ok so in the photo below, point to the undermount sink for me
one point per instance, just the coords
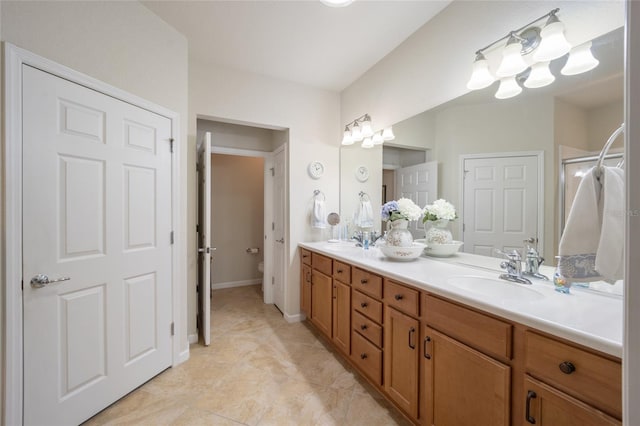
(494, 287)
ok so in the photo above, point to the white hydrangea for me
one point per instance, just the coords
(409, 209)
(440, 209)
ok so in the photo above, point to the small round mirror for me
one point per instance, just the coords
(333, 219)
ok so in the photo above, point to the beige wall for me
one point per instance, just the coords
(311, 117)
(602, 122)
(237, 212)
(120, 43)
(227, 135)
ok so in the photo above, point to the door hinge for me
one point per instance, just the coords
(173, 328)
(198, 229)
(171, 145)
(171, 237)
(273, 171)
(273, 280)
(464, 227)
(273, 226)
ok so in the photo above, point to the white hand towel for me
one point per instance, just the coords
(319, 214)
(365, 218)
(581, 235)
(610, 252)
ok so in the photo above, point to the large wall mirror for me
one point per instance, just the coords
(572, 117)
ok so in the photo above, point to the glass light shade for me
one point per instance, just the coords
(509, 88)
(387, 134)
(540, 76)
(553, 44)
(336, 3)
(347, 139)
(512, 61)
(367, 143)
(377, 138)
(580, 60)
(366, 130)
(356, 133)
(480, 75)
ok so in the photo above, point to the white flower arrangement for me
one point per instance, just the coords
(440, 209)
(404, 208)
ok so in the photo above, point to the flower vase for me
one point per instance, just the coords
(398, 235)
(437, 232)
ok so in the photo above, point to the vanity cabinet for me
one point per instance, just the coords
(321, 293)
(466, 376)
(305, 290)
(342, 316)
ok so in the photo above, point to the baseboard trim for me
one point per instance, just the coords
(293, 318)
(184, 356)
(231, 284)
(193, 338)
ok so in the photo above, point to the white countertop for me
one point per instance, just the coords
(590, 318)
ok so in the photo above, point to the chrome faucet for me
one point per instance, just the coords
(358, 238)
(513, 266)
(533, 260)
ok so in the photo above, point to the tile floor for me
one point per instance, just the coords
(259, 370)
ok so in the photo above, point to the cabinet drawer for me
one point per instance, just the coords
(306, 256)
(592, 378)
(321, 263)
(404, 298)
(367, 306)
(479, 331)
(368, 328)
(367, 357)
(342, 272)
(367, 283)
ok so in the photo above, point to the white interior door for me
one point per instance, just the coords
(97, 222)
(420, 184)
(205, 239)
(279, 230)
(501, 198)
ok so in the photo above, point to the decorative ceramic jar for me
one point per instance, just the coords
(398, 235)
(437, 232)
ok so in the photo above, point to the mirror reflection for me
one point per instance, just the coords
(524, 139)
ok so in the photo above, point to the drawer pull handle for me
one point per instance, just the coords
(304, 256)
(412, 332)
(567, 367)
(363, 281)
(424, 347)
(363, 356)
(398, 297)
(530, 395)
(363, 305)
(363, 327)
(339, 271)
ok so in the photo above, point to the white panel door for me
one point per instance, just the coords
(500, 197)
(204, 199)
(420, 184)
(97, 209)
(279, 231)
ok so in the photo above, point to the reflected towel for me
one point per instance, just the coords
(591, 243)
(319, 214)
(364, 215)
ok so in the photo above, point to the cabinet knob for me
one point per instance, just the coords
(363, 327)
(363, 281)
(339, 271)
(363, 356)
(398, 297)
(363, 305)
(567, 367)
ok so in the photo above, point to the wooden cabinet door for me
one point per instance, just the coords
(401, 360)
(342, 316)
(461, 385)
(547, 406)
(305, 290)
(321, 298)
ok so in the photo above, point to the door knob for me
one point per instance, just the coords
(41, 280)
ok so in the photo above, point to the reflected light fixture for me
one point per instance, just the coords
(527, 54)
(361, 129)
(580, 60)
(336, 3)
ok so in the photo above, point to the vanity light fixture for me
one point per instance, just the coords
(517, 65)
(361, 129)
(336, 3)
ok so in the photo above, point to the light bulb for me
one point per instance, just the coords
(539, 76)
(347, 139)
(580, 60)
(553, 44)
(509, 88)
(366, 130)
(512, 62)
(356, 133)
(480, 75)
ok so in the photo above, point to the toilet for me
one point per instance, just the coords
(261, 266)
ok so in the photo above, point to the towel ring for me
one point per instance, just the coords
(606, 147)
(318, 192)
(364, 196)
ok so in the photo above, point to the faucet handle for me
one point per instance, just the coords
(514, 255)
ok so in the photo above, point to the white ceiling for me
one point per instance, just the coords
(302, 41)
